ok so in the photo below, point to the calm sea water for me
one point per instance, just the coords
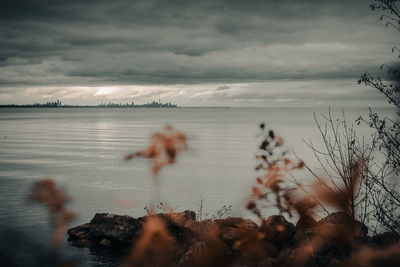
(83, 150)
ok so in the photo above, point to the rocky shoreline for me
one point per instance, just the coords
(276, 241)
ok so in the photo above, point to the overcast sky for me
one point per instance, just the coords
(192, 53)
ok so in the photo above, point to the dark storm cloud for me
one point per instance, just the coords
(185, 42)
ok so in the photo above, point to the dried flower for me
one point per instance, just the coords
(46, 192)
(163, 149)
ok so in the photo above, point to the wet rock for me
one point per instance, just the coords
(114, 231)
(79, 232)
(116, 228)
(80, 236)
(105, 230)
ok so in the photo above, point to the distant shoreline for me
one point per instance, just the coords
(58, 104)
(88, 106)
(180, 107)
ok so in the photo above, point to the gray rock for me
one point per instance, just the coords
(116, 228)
(114, 231)
(79, 232)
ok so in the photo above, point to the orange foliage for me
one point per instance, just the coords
(276, 168)
(163, 149)
(46, 192)
(340, 196)
(340, 238)
(155, 246)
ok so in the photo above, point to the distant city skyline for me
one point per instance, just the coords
(59, 104)
(192, 53)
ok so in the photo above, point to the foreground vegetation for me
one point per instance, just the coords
(173, 238)
(347, 216)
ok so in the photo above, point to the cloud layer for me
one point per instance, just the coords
(128, 44)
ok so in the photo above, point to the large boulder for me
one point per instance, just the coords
(116, 228)
(80, 232)
(80, 235)
(116, 231)
(105, 230)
